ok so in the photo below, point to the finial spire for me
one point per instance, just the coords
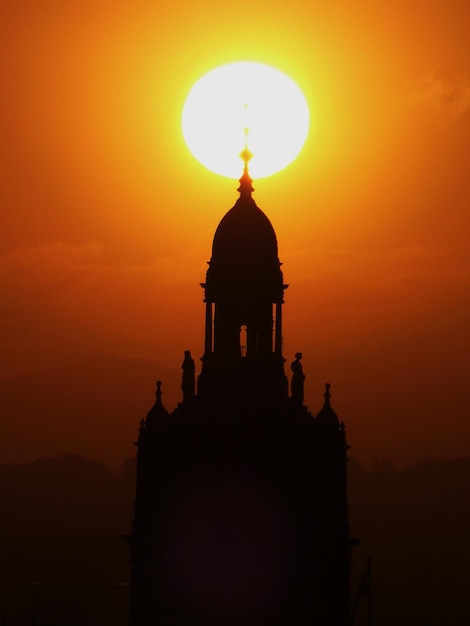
(246, 186)
(158, 411)
(326, 414)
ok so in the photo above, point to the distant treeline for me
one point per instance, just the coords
(62, 518)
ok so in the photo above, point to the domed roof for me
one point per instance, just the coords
(245, 231)
(244, 249)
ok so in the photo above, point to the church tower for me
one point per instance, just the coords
(244, 292)
(241, 505)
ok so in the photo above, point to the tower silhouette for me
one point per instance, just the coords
(241, 505)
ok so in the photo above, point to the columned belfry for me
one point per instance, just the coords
(244, 293)
(241, 506)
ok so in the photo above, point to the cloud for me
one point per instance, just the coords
(448, 97)
(64, 296)
(382, 268)
(384, 292)
(47, 264)
(54, 263)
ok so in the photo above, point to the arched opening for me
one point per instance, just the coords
(243, 340)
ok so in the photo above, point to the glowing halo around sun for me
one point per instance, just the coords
(245, 101)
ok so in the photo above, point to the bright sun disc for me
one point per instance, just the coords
(239, 96)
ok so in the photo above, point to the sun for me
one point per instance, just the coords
(245, 102)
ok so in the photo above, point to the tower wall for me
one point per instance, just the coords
(241, 510)
(242, 518)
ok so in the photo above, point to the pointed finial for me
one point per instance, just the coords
(326, 414)
(246, 186)
(158, 411)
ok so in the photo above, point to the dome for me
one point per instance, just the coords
(244, 233)
(244, 250)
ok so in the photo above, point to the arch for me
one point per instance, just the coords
(243, 340)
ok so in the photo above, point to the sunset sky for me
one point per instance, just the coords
(107, 220)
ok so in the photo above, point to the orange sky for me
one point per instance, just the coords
(107, 220)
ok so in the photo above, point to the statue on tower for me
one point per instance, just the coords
(188, 384)
(297, 382)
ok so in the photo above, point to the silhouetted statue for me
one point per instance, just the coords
(188, 384)
(297, 382)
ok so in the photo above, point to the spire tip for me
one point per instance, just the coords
(246, 187)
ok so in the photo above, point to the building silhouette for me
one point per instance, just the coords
(241, 506)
